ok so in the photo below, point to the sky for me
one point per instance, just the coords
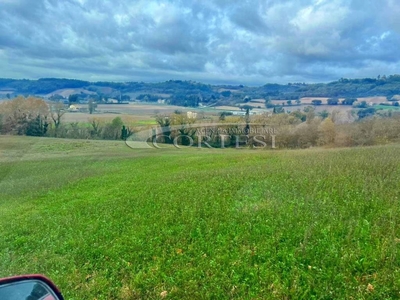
(251, 42)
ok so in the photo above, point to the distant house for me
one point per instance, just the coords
(112, 101)
(73, 108)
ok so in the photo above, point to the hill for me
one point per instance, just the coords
(190, 93)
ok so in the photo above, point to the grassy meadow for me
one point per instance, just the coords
(108, 222)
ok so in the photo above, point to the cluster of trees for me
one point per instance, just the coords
(299, 129)
(147, 98)
(86, 98)
(97, 128)
(278, 108)
(41, 86)
(175, 125)
(24, 116)
(34, 117)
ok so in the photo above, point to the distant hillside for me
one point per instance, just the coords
(190, 93)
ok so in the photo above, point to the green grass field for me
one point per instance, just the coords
(386, 107)
(108, 222)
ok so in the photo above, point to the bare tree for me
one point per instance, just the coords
(165, 123)
(57, 110)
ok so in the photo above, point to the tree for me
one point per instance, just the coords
(96, 129)
(164, 121)
(246, 107)
(182, 123)
(396, 103)
(316, 102)
(299, 115)
(57, 110)
(349, 101)
(37, 126)
(126, 98)
(125, 132)
(298, 101)
(323, 114)
(310, 113)
(117, 122)
(307, 133)
(21, 113)
(73, 98)
(56, 97)
(364, 113)
(246, 99)
(247, 118)
(333, 101)
(327, 132)
(224, 114)
(289, 102)
(92, 105)
(308, 108)
(226, 94)
(362, 104)
(278, 110)
(112, 131)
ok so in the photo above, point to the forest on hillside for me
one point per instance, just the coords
(190, 93)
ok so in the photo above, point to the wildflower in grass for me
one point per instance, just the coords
(370, 288)
(163, 294)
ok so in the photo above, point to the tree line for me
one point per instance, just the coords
(299, 129)
(32, 116)
(190, 93)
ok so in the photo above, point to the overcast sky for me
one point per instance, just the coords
(215, 41)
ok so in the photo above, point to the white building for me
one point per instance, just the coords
(191, 115)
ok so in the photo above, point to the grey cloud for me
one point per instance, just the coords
(250, 41)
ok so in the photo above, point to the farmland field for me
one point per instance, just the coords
(108, 222)
(139, 112)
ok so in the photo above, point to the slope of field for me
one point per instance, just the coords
(67, 92)
(107, 222)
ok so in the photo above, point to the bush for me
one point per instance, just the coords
(364, 113)
(316, 102)
(333, 101)
(349, 101)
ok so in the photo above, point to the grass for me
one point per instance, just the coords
(108, 222)
(387, 107)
